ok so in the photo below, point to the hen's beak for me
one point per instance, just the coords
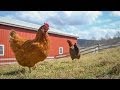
(11, 37)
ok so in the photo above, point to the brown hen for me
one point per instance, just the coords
(30, 52)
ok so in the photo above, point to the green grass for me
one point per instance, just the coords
(102, 65)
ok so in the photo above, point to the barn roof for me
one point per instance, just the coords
(30, 26)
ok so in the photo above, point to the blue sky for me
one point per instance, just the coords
(85, 24)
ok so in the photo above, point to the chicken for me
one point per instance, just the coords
(73, 50)
(30, 52)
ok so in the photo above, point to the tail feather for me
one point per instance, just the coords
(70, 43)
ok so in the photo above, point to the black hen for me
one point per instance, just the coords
(73, 50)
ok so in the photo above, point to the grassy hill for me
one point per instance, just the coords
(102, 65)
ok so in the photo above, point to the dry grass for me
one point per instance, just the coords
(102, 65)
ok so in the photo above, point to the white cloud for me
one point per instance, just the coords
(68, 21)
(33, 16)
(80, 17)
(116, 13)
(60, 17)
(98, 33)
(68, 13)
(94, 31)
(80, 23)
(74, 22)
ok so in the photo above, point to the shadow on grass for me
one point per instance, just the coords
(112, 73)
(16, 72)
(115, 70)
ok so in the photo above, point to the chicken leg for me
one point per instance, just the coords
(29, 69)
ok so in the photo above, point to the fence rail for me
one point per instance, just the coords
(92, 49)
(97, 48)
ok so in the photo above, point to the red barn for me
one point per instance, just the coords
(58, 45)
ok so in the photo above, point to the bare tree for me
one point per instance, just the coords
(93, 38)
(107, 36)
(117, 35)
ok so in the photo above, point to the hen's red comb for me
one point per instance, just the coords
(46, 24)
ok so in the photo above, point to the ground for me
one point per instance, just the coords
(101, 65)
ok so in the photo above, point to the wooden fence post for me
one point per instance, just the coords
(97, 48)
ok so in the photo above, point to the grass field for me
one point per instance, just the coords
(102, 65)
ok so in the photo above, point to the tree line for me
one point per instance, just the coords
(106, 40)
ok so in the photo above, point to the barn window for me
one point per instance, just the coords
(1, 50)
(60, 50)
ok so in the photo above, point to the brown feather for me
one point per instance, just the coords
(30, 52)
